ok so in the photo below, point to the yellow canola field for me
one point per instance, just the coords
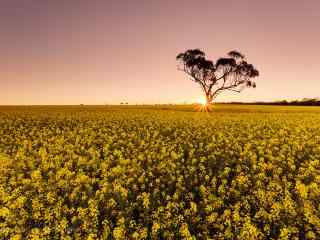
(159, 172)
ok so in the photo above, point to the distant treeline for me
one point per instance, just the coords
(303, 102)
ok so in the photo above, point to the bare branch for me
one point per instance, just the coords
(238, 91)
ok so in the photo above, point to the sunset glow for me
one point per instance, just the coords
(106, 52)
(202, 100)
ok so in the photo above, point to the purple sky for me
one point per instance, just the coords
(96, 52)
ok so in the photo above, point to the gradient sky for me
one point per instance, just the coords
(108, 51)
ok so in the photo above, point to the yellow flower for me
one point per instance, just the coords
(155, 228)
(4, 212)
(145, 200)
(284, 234)
(16, 237)
(193, 207)
(184, 232)
(119, 233)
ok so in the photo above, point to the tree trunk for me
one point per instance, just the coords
(208, 106)
(209, 99)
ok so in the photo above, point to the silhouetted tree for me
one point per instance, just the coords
(231, 73)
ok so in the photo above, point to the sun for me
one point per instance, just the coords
(203, 105)
(202, 100)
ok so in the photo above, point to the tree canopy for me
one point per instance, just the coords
(231, 73)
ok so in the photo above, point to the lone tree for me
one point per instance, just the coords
(231, 73)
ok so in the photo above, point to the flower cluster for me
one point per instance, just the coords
(241, 172)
